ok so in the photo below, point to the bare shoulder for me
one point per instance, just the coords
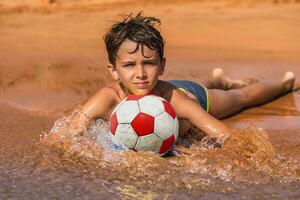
(108, 91)
(102, 103)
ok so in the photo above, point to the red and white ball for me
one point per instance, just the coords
(146, 123)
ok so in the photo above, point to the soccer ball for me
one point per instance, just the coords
(146, 123)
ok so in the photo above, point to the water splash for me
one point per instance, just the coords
(248, 157)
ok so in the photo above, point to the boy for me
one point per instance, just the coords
(136, 60)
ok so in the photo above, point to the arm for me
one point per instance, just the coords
(101, 103)
(192, 111)
(76, 124)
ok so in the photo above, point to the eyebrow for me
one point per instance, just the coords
(128, 62)
(150, 60)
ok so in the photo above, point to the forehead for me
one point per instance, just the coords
(130, 49)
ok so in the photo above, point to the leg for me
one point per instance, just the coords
(218, 80)
(226, 103)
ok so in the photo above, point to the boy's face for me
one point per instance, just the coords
(137, 68)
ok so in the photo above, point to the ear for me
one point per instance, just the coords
(113, 71)
(162, 67)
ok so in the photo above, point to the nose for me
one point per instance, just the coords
(140, 72)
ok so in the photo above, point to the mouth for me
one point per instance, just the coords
(141, 85)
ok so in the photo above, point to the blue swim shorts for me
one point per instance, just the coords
(196, 89)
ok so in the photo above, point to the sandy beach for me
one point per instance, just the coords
(52, 58)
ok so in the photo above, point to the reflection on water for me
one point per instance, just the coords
(254, 163)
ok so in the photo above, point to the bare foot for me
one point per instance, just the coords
(288, 81)
(227, 83)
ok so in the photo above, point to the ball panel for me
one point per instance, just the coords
(169, 109)
(117, 106)
(164, 125)
(126, 135)
(127, 112)
(143, 124)
(167, 144)
(133, 97)
(117, 144)
(151, 105)
(149, 143)
(113, 123)
(157, 97)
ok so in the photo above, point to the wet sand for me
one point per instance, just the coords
(53, 58)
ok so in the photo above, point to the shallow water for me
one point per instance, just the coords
(255, 163)
(52, 62)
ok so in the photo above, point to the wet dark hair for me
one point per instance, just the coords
(138, 28)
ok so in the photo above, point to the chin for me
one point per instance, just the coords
(141, 93)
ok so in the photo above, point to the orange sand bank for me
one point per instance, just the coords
(52, 58)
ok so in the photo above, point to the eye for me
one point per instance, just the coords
(150, 63)
(128, 65)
